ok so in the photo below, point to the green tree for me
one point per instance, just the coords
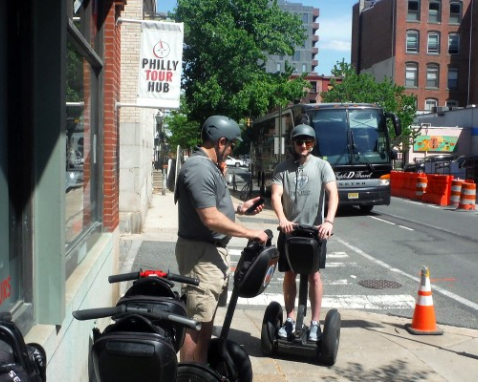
(353, 87)
(226, 43)
(184, 132)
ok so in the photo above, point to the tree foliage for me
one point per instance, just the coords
(184, 132)
(355, 87)
(225, 47)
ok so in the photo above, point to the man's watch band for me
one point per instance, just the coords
(328, 221)
(239, 208)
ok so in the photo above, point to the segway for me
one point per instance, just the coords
(303, 252)
(253, 274)
(148, 331)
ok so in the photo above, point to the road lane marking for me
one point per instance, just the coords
(438, 289)
(367, 302)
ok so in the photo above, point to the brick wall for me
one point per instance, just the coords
(112, 80)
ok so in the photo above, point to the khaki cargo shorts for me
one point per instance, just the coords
(210, 265)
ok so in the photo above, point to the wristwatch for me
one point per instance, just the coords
(239, 208)
(328, 221)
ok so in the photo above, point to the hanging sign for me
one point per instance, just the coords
(160, 62)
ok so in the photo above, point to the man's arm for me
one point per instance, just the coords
(216, 221)
(327, 226)
(276, 201)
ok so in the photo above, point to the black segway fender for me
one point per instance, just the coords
(272, 322)
(329, 345)
(230, 360)
(189, 371)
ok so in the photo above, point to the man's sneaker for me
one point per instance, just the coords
(314, 332)
(287, 329)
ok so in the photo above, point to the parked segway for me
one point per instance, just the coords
(148, 331)
(303, 252)
(253, 274)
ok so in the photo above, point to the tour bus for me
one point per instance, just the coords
(353, 138)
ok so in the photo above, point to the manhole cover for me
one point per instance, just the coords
(379, 284)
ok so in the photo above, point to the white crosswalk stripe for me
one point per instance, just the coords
(344, 301)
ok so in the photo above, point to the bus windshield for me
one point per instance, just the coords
(353, 136)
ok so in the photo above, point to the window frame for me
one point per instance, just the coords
(429, 35)
(433, 68)
(451, 70)
(430, 101)
(460, 14)
(450, 35)
(413, 15)
(431, 3)
(411, 67)
(410, 33)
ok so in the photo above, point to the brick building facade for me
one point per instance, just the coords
(430, 47)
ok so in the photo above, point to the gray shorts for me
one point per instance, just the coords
(210, 265)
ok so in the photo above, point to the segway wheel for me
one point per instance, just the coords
(330, 338)
(271, 323)
(241, 364)
(191, 372)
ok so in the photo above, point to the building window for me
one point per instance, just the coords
(433, 43)
(305, 18)
(452, 104)
(82, 209)
(433, 71)
(304, 68)
(431, 104)
(454, 43)
(452, 78)
(413, 13)
(434, 11)
(411, 75)
(455, 12)
(278, 67)
(296, 56)
(413, 41)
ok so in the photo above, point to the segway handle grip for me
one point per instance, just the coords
(91, 314)
(183, 279)
(123, 277)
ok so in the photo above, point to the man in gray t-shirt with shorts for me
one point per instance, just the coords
(206, 224)
(299, 187)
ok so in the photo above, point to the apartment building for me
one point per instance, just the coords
(304, 57)
(427, 46)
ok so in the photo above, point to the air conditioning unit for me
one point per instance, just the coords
(440, 110)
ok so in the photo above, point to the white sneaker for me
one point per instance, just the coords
(287, 329)
(314, 332)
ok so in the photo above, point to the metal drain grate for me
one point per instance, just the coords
(379, 284)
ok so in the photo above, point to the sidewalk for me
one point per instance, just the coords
(373, 347)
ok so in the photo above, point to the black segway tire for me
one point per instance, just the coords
(329, 345)
(239, 357)
(272, 322)
(191, 372)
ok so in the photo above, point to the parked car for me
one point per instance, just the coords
(235, 162)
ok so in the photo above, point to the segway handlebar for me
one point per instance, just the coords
(305, 227)
(91, 314)
(152, 273)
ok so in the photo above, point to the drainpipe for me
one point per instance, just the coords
(469, 51)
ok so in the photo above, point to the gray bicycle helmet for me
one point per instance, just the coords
(218, 126)
(302, 130)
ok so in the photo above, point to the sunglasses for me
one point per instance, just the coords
(233, 145)
(308, 142)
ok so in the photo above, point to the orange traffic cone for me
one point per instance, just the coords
(424, 321)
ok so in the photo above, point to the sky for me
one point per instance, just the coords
(335, 25)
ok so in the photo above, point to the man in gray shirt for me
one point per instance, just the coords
(298, 189)
(206, 224)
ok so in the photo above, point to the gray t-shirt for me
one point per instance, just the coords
(200, 184)
(303, 196)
